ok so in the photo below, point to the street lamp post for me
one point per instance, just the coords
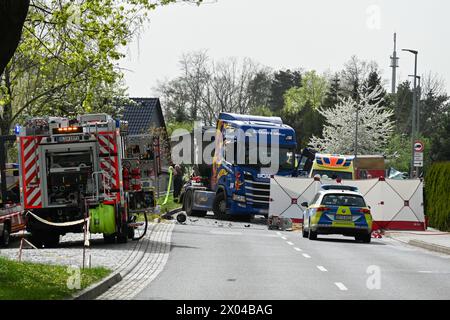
(413, 129)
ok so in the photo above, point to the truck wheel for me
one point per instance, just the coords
(188, 202)
(220, 206)
(199, 213)
(4, 240)
(109, 238)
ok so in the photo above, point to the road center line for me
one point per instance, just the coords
(290, 243)
(306, 255)
(279, 233)
(298, 249)
(322, 268)
(284, 238)
(341, 286)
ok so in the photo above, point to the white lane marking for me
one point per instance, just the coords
(322, 268)
(279, 233)
(425, 271)
(306, 255)
(298, 249)
(290, 243)
(341, 286)
(284, 238)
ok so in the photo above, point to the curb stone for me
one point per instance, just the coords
(97, 289)
(422, 244)
(430, 246)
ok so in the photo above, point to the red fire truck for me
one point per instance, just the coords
(11, 218)
(72, 179)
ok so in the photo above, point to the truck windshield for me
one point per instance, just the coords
(343, 200)
(286, 158)
(333, 174)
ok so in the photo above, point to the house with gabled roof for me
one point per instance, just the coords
(146, 120)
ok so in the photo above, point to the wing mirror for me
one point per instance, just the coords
(304, 204)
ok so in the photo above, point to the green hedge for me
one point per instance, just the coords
(437, 195)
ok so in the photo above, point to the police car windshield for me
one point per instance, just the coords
(343, 200)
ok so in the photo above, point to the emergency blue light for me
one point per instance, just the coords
(17, 129)
(340, 187)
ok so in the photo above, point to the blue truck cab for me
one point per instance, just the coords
(240, 175)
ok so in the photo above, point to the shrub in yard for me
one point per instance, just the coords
(437, 195)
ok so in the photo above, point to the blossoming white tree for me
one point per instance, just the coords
(374, 125)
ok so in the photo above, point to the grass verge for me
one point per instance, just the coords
(32, 281)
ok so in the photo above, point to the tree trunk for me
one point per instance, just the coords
(5, 120)
(12, 17)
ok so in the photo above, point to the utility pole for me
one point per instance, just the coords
(413, 173)
(419, 95)
(394, 66)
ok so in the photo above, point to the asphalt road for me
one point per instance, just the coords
(212, 259)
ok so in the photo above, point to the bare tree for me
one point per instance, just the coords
(355, 72)
(207, 88)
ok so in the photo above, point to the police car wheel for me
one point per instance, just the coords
(304, 233)
(367, 238)
(312, 235)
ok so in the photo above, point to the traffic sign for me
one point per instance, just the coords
(418, 156)
(418, 163)
(418, 146)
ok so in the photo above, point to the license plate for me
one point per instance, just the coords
(344, 218)
(68, 138)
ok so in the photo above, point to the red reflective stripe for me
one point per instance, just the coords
(31, 177)
(27, 142)
(35, 198)
(31, 164)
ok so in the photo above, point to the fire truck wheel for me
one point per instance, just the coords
(51, 240)
(109, 238)
(122, 237)
(220, 206)
(37, 239)
(4, 240)
(131, 233)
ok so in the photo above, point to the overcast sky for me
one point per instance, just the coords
(313, 34)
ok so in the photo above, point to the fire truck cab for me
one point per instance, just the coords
(71, 169)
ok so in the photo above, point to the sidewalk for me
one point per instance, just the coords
(431, 239)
